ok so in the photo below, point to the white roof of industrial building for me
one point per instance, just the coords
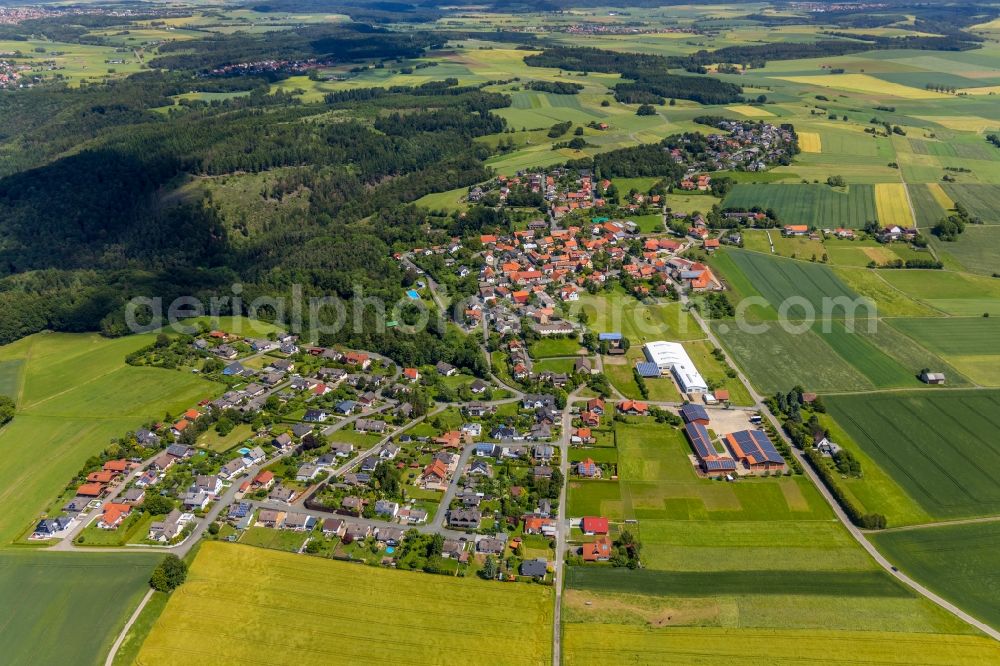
(673, 356)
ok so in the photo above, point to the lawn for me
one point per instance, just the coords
(76, 394)
(266, 537)
(213, 441)
(939, 446)
(959, 562)
(300, 610)
(83, 598)
(816, 205)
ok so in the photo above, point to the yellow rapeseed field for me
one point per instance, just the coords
(810, 142)
(244, 605)
(892, 205)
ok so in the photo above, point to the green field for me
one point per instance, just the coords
(815, 205)
(982, 200)
(965, 336)
(83, 598)
(960, 562)
(616, 312)
(75, 394)
(939, 446)
(880, 369)
(309, 611)
(777, 359)
(799, 286)
(976, 250)
(554, 347)
(967, 343)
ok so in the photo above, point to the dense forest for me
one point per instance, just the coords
(650, 83)
(93, 172)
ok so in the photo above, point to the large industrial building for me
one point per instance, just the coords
(672, 357)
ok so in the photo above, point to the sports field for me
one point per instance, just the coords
(75, 393)
(815, 205)
(939, 446)
(303, 610)
(67, 608)
(960, 562)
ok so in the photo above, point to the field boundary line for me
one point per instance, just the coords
(939, 523)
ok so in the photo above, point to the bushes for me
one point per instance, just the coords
(868, 521)
(7, 408)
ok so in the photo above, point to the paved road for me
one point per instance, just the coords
(562, 527)
(449, 494)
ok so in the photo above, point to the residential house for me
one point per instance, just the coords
(597, 551)
(270, 518)
(298, 522)
(166, 530)
(592, 525)
(465, 518)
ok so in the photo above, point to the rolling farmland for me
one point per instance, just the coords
(960, 562)
(892, 206)
(863, 83)
(810, 142)
(83, 599)
(303, 610)
(938, 445)
(75, 394)
(796, 284)
(696, 645)
(812, 204)
(981, 200)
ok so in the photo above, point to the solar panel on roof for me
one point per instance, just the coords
(693, 412)
(702, 443)
(648, 369)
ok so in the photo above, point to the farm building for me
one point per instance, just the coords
(672, 357)
(754, 449)
(692, 413)
(932, 377)
(708, 458)
(647, 369)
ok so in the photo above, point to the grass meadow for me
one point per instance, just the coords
(309, 611)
